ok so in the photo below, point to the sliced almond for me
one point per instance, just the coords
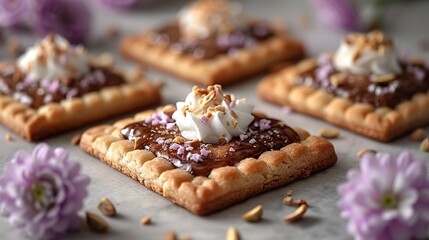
(424, 146)
(137, 142)
(106, 207)
(253, 215)
(329, 133)
(145, 221)
(289, 192)
(96, 223)
(299, 213)
(170, 235)
(385, 78)
(232, 234)
(364, 151)
(288, 201)
(418, 135)
(179, 140)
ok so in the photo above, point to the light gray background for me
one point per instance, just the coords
(407, 24)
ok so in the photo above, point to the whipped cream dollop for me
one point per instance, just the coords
(54, 58)
(204, 18)
(366, 54)
(211, 116)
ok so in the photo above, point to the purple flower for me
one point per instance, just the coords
(13, 12)
(342, 14)
(387, 199)
(119, 4)
(69, 18)
(41, 192)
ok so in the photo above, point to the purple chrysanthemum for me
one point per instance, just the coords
(387, 199)
(119, 4)
(41, 192)
(13, 12)
(69, 18)
(341, 14)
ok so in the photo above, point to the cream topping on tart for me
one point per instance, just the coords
(211, 116)
(366, 54)
(207, 17)
(54, 58)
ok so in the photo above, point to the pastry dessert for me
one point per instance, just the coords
(208, 152)
(212, 41)
(55, 87)
(363, 86)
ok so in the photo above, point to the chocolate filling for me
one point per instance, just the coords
(211, 46)
(199, 158)
(365, 89)
(35, 94)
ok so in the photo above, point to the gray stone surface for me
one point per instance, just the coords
(133, 201)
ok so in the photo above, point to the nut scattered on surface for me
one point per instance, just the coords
(146, 221)
(329, 133)
(289, 192)
(299, 213)
(424, 146)
(8, 137)
(364, 151)
(106, 207)
(232, 234)
(96, 223)
(253, 215)
(75, 140)
(418, 135)
(170, 235)
(288, 201)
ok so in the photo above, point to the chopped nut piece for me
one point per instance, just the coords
(424, 146)
(106, 207)
(385, 78)
(75, 140)
(137, 142)
(179, 140)
(96, 223)
(329, 133)
(170, 235)
(8, 137)
(418, 135)
(146, 221)
(289, 192)
(253, 215)
(299, 213)
(363, 151)
(232, 234)
(288, 201)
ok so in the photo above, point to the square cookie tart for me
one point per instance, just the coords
(363, 87)
(208, 152)
(212, 41)
(54, 87)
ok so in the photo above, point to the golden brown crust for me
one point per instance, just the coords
(33, 124)
(220, 70)
(380, 123)
(224, 186)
